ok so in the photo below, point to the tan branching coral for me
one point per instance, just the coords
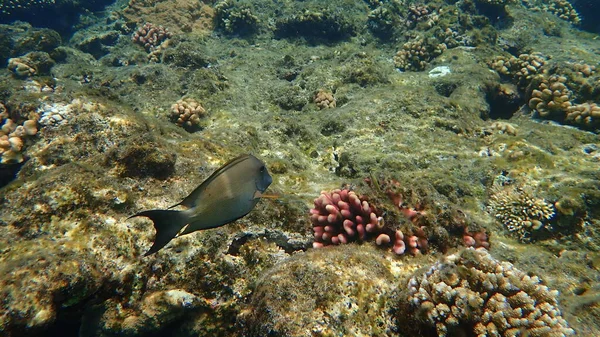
(552, 98)
(521, 69)
(420, 13)
(188, 113)
(324, 99)
(473, 294)
(583, 69)
(561, 8)
(13, 136)
(519, 211)
(504, 128)
(585, 114)
(151, 36)
(21, 67)
(416, 54)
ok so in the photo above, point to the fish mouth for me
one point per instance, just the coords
(265, 183)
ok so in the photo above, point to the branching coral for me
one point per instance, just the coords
(520, 69)
(13, 135)
(324, 99)
(553, 99)
(416, 54)
(34, 63)
(151, 36)
(519, 211)
(340, 216)
(188, 114)
(235, 18)
(401, 218)
(473, 294)
(561, 8)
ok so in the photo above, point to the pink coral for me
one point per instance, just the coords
(340, 216)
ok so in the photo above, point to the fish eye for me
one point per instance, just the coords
(262, 168)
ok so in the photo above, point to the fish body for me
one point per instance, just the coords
(228, 194)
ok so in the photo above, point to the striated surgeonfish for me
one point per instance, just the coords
(228, 194)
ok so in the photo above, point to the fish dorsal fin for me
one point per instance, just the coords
(190, 200)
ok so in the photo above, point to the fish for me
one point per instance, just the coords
(228, 194)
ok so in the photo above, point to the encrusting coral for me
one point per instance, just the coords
(471, 293)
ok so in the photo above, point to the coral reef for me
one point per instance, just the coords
(561, 91)
(105, 148)
(503, 127)
(474, 294)
(188, 113)
(10, 6)
(403, 219)
(181, 16)
(382, 21)
(554, 100)
(421, 13)
(340, 216)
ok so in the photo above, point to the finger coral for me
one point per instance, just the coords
(521, 69)
(188, 113)
(13, 135)
(324, 99)
(151, 36)
(416, 54)
(401, 218)
(340, 216)
(473, 294)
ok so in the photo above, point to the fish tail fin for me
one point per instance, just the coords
(167, 223)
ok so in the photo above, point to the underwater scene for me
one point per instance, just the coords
(271, 168)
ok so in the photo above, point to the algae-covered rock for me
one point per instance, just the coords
(341, 291)
(143, 159)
